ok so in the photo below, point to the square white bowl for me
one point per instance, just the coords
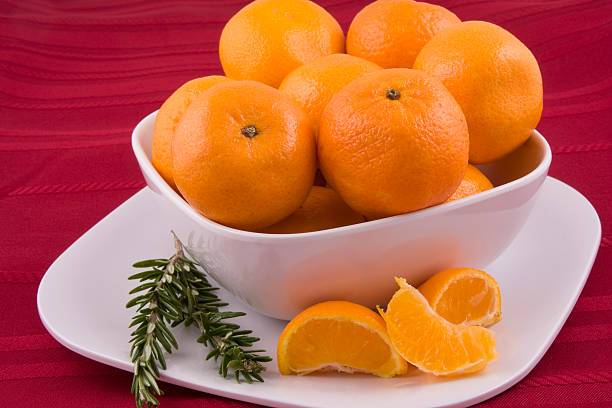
(279, 275)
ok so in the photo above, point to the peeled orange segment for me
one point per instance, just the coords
(430, 342)
(464, 295)
(341, 336)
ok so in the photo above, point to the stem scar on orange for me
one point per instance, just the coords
(393, 141)
(244, 155)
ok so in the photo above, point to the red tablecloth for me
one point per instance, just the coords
(76, 76)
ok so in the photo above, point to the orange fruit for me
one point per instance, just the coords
(393, 141)
(392, 32)
(267, 39)
(244, 155)
(323, 209)
(313, 84)
(168, 117)
(464, 296)
(341, 336)
(495, 79)
(430, 342)
(473, 182)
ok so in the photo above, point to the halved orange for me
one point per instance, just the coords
(464, 296)
(429, 341)
(338, 335)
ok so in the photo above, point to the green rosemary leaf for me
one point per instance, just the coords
(257, 376)
(159, 355)
(136, 300)
(235, 364)
(223, 365)
(136, 320)
(142, 287)
(169, 336)
(212, 354)
(246, 375)
(242, 332)
(165, 344)
(168, 315)
(150, 262)
(229, 315)
(139, 330)
(146, 275)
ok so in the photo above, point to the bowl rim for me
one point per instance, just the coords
(151, 175)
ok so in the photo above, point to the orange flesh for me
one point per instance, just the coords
(467, 294)
(331, 342)
(430, 342)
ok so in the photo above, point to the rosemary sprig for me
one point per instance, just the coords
(156, 307)
(176, 292)
(226, 341)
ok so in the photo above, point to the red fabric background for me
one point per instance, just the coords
(76, 76)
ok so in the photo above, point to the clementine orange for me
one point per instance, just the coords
(168, 117)
(393, 141)
(313, 84)
(495, 79)
(338, 335)
(323, 209)
(267, 39)
(392, 32)
(244, 155)
(464, 296)
(473, 182)
(430, 342)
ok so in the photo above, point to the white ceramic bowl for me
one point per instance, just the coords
(281, 274)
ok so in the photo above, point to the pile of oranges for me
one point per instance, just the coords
(391, 124)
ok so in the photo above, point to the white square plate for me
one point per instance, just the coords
(82, 296)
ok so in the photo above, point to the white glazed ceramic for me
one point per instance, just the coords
(280, 275)
(82, 296)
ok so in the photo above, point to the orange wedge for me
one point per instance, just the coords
(464, 295)
(430, 342)
(338, 336)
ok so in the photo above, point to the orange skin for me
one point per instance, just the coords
(267, 39)
(244, 155)
(323, 209)
(313, 84)
(473, 182)
(494, 78)
(380, 142)
(168, 117)
(392, 32)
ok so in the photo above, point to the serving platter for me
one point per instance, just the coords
(81, 302)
